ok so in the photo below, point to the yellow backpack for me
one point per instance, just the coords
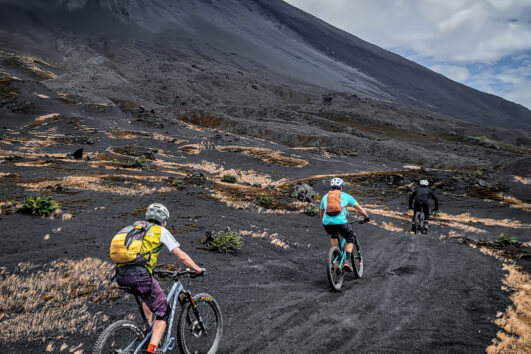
(126, 245)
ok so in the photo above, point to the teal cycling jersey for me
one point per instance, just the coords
(346, 199)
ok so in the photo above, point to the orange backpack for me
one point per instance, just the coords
(333, 203)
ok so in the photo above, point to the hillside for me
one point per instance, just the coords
(166, 98)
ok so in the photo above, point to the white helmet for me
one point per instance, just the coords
(424, 182)
(336, 183)
(157, 212)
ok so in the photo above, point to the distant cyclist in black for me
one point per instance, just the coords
(420, 200)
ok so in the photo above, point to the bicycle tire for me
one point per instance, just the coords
(422, 223)
(357, 260)
(189, 326)
(417, 222)
(335, 276)
(113, 338)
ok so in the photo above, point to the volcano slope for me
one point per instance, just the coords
(442, 292)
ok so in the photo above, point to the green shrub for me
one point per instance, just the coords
(136, 163)
(318, 196)
(40, 205)
(229, 178)
(177, 182)
(506, 239)
(266, 201)
(436, 214)
(311, 210)
(226, 241)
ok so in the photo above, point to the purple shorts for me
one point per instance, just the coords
(147, 287)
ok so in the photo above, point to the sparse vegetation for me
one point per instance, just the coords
(39, 205)
(506, 239)
(229, 178)
(223, 241)
(140, 162)
(311, 210)
(266, 201)
(177, 182)
(54, 299)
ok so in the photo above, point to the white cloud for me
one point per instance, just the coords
(451, 34)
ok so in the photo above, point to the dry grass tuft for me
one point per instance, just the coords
(515, 336)
(467, 218)
(244, 176)
(131, 184)
(125, 134)
(53, 300)
(273, 238)
(390, 227)
(523, 180)
(192, 149)
(266, 155)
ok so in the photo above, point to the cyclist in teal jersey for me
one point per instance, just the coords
(336, 223)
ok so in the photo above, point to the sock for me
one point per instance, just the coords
(349, 255)
(152, 348)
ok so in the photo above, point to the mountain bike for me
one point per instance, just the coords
(419, 223)
(199, 328)
(335, 271)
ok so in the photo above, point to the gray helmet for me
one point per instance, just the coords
(424, 182)
(157, 212)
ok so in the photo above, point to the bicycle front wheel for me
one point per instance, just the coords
(120, 337)
(334, 273)
(200, 329)
(357, 259)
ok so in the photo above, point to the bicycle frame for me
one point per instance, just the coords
(168, 341)
(343, 252)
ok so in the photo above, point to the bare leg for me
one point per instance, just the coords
(333, 242)
(158, 327)
(158, 330)
(147, 312)
(350, 247)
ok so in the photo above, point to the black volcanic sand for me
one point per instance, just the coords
(419, 293)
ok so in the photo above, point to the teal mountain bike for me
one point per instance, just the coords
(336, 258)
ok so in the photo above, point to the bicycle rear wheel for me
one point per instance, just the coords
(422, 224)
(417, 226)
(200, 331)
(333, 272)
(357, 259)
(120, 337)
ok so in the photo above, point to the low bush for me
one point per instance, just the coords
(39, 205)
(225, 241)
(137, 163)
(506, 239)
(311, 210)
(266, 201)
(229, 178)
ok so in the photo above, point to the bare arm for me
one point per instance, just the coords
(322, 212)
(361, 210)
(185, 259)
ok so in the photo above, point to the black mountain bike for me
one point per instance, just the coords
(419, 223)
(198, 331)
(335, 271)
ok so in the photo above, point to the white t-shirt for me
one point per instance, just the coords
(167, 239)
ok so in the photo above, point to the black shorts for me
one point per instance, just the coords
(345, 230)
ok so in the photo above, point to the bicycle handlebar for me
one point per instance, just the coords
(177, 273)
(359, 221)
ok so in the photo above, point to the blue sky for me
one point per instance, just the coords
(485, 44)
